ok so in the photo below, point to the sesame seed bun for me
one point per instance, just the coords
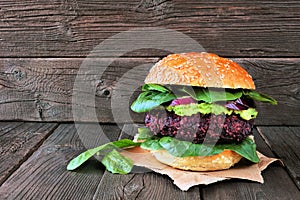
(199, 69)
(221, 161)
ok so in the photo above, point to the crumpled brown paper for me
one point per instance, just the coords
(186, 179)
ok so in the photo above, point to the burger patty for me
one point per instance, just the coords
(213, 128)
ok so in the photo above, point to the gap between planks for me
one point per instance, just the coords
(285, 144)
(44, 174)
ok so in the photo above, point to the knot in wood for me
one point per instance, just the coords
(18, 73)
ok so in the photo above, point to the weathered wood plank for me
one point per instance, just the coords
(140, 184)
(58, 28)
(42, 89)
(18, 141)
(285, 143)
(277, 185)
(44, 174)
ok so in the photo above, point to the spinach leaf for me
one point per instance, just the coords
(211, 95)
(247, 148)
(180, 148)
(220, 95)
(117, 163)
(101, 150)
(154, 95)
(259, 97)
(143, 134)
(156, 87)
(198, 94)
(151, 145)
(149, 100)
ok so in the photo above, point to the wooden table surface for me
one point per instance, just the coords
(43, 45)
(34, 158)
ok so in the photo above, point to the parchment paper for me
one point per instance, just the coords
(186, 179)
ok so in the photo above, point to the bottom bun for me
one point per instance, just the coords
(220, 161)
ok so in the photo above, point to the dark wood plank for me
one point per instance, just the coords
(42, 89)
(44, 174)
(140, 184)
(285, 143)
(59, 28)
(279, 79)
(18, 141)
(277, 183)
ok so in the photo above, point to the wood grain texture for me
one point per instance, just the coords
(59, 28)
(140, 184)
(18, 141)
(44, 174)
(42, 89)
(276, 180)
(285, 143)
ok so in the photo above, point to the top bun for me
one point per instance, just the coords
(199, 69)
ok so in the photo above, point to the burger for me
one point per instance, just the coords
(199, 112)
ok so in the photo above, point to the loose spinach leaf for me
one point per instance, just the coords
(117, 163)
(149, 100)
(175, 147)
(156, 87)
(259, 97)
(102, 150)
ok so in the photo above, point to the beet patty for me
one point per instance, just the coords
(196, 128)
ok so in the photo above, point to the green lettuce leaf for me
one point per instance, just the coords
(178, 148)
(148, 100)
(248, 114)
(101, 150)
(206, 108)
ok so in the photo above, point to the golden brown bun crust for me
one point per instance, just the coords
(220, 161)
(199, 69)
